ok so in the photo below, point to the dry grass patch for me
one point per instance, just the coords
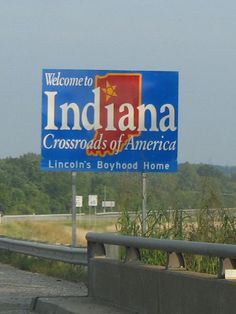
(55, 232)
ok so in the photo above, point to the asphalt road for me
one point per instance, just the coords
(18, 288)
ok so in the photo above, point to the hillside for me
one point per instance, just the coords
(25, 189)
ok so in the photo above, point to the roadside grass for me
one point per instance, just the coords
(218, 226)
(42, 231)
(53, 232)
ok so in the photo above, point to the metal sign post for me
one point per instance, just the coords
(73, 212)
(144, 205)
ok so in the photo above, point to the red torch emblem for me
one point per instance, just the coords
(120, 96)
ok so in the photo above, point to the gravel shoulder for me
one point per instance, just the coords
(18, 288)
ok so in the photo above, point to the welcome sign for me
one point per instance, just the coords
(105, 120)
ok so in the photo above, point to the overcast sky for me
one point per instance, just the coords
(196, 38)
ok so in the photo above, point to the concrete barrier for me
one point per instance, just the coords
(149, 289)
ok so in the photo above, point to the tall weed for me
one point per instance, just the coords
(215, 226)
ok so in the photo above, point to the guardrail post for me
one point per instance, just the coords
(96, 249)
(175, 260)
(132, 254)
(226, 263)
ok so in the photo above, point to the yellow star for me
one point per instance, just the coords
(109, 90)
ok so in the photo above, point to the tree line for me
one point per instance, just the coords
(25, 189)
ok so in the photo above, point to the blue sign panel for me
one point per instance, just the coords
(103, 120)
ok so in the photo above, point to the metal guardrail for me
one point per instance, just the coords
(57, 217)
(96, 247)
(174, 249)
(61, 253)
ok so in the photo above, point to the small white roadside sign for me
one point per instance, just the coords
(79, 201)
(92, 200)
(108, 204)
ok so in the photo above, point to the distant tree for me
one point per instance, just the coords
(24, 188)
